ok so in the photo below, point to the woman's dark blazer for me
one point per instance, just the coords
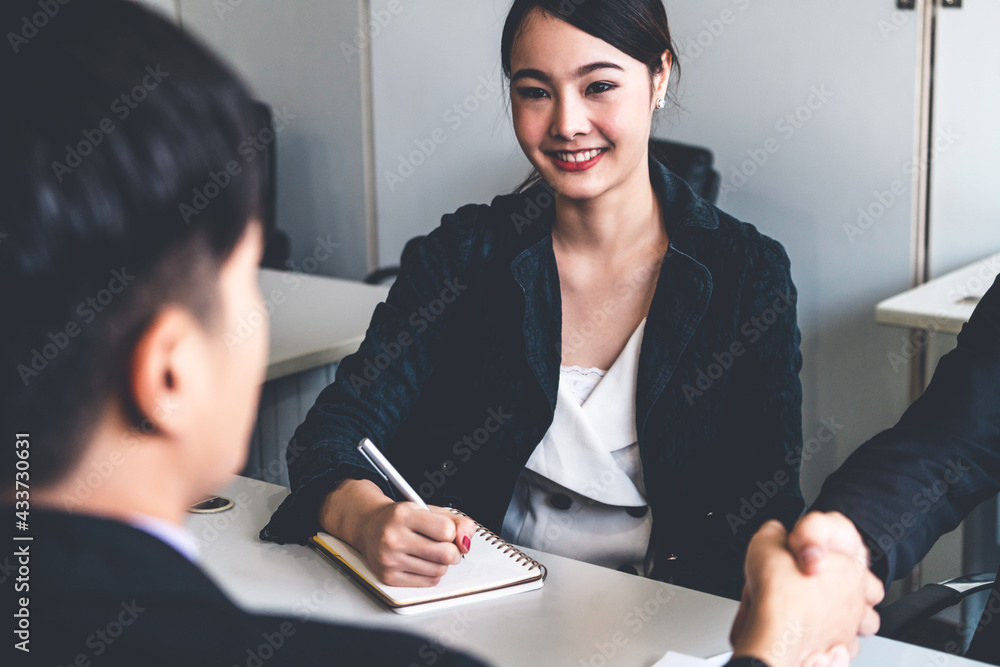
(456, 380)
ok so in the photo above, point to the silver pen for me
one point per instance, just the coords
(391, 475)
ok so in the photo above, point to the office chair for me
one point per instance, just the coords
(902, 619)
(277, 246)
(691, 163)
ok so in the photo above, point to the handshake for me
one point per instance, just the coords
(809, 594)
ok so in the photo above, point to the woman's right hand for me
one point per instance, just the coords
(403, 544)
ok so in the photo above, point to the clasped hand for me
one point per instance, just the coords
(808, 596)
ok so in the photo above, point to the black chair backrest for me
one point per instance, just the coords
(277, 248)
(691, 163)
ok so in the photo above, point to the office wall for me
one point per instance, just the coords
(301, 58)
(810, 110)
(443, 137)
(965, 201)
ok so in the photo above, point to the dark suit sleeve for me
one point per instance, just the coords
(377, 387)
(916, 481)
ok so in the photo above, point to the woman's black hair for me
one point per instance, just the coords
(122, 189)
(637, 28)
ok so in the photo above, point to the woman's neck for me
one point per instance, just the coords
(617, 225)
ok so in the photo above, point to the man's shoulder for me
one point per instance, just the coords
(115, 594)
(89, 556)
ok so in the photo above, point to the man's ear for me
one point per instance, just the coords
(168, 370)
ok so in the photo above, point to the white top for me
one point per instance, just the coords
(581, 494)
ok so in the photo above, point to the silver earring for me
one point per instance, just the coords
(661, 103)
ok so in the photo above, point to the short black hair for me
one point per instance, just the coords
(121, 190)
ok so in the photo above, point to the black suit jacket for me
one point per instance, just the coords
(916, 481)
(104, 593)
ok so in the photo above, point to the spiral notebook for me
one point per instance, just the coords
(492, 569)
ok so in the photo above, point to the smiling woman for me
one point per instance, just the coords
(594, 301)
(631, 62)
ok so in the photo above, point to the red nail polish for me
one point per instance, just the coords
(466, 542)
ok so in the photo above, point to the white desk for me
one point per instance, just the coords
(315, 320)
(578, 612)
(943, 304)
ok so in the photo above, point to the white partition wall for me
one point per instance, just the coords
(300, 57)
(965, 199)
(810, 111)
(443, 135)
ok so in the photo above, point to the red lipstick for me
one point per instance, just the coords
(576, 166)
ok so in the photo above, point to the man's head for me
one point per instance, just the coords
(128, 249)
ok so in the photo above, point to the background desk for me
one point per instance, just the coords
(315, 322)
(943, 304)
(581, 610)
